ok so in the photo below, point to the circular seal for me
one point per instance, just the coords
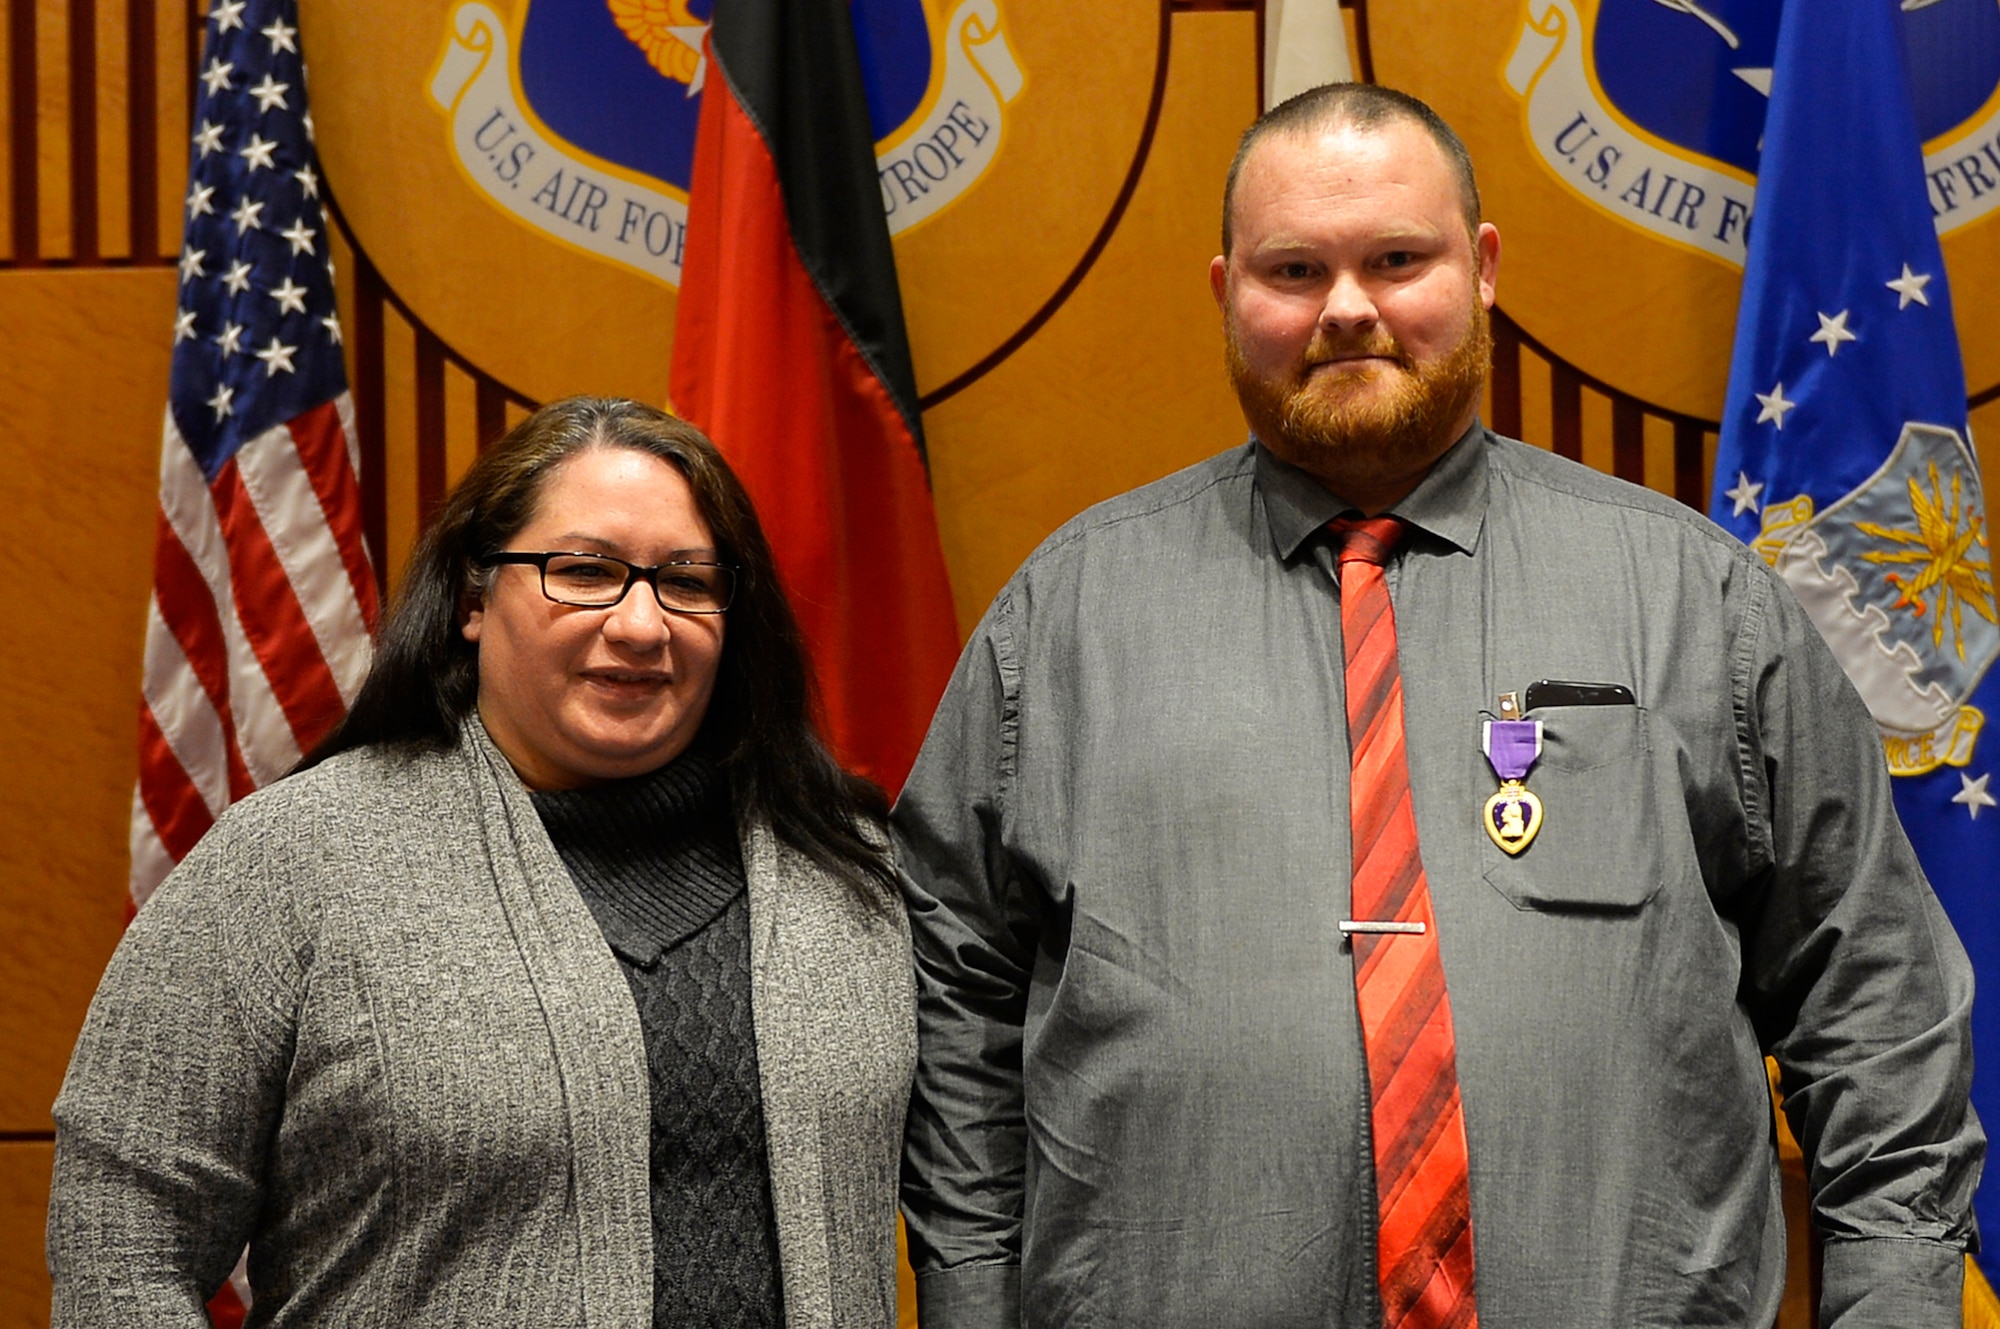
(517, 169)
(1617, 142)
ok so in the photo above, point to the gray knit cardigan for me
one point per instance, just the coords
(370, 1028)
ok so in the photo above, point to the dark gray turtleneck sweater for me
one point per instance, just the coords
(656, 860)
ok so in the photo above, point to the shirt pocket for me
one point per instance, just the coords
(1599, 848)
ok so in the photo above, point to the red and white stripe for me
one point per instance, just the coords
(259, 631)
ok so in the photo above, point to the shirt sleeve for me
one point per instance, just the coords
(1859, 987)
(976, 921)
(172, 1097)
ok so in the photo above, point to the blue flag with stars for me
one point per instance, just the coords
(1846, 456)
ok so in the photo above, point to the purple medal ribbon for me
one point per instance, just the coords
(1513, 816)
(1513, 746)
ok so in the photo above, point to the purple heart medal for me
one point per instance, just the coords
(1514, 815)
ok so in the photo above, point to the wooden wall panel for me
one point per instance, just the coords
(1986, 441)
(84, 392)
(399, 473)
(24, 1199)
(1125, 383)
(171, 127)
(52, 127)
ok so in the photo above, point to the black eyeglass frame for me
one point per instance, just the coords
(634, 573)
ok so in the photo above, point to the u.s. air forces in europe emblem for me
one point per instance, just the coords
(580, 119)
(517, 170)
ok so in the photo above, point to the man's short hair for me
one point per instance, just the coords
(1363, 106)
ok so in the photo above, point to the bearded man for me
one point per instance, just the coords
(1356, 881)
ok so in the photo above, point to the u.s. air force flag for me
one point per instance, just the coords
(1846, 458)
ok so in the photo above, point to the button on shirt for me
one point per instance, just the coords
(1142, 1095)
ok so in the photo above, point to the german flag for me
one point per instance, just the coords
(790, 352)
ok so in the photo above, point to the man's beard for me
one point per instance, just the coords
(1340, 424)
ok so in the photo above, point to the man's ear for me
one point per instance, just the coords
(1218, 281)
(1486, 253)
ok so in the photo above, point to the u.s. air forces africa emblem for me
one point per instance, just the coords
(1618, 143)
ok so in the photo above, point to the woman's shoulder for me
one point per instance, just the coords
(333, 810)
(363, 783)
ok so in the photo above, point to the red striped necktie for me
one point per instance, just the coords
(1424, 1243)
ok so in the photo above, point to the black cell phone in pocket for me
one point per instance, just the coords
(1552, 692)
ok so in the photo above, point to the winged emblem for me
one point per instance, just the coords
(670, 35)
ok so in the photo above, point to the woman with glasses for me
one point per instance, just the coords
(565, 984)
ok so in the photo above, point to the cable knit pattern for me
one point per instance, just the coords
(656, 861)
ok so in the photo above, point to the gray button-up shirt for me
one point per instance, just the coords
(1142, 1098)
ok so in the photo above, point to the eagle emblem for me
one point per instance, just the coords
(1898, 576)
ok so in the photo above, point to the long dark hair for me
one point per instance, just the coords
(759, 725)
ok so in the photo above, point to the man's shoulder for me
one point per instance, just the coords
(1157, 510)
(1568, 486)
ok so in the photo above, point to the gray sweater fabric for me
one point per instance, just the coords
(656, 860)
(370, 1028)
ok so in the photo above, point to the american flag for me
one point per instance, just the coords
(263, 599)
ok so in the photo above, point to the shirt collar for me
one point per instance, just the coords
(1450, 502)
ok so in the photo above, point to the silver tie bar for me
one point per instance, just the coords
(1350, 925)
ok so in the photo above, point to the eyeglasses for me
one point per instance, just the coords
(599, 581)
